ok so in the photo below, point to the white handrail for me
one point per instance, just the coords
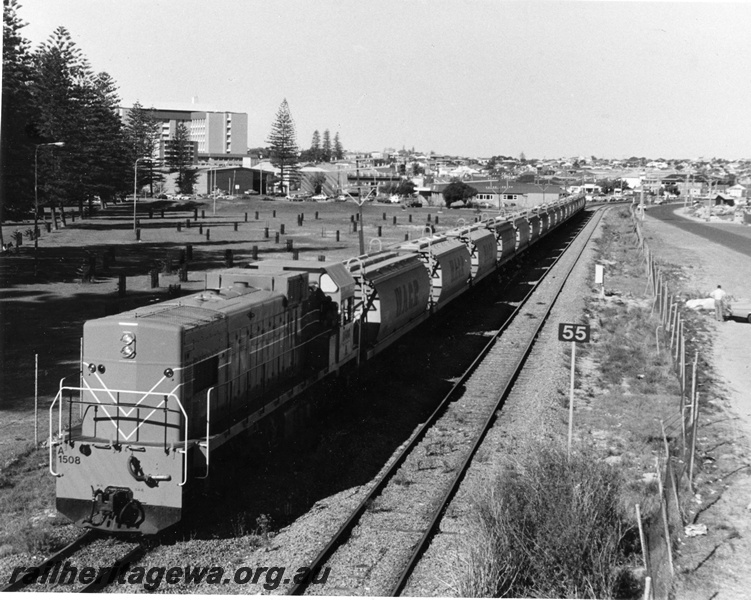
(184, 451)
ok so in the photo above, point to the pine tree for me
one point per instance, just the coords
(326, 147)
(141, 132)
(16, 143)
(315, 147)
(283, 145)
(338, 149)
(180, 159)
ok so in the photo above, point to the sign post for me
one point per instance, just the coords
(572, 332)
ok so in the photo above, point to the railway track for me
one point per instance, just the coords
(403, 509)
(83, 566)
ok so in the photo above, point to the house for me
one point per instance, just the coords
(492, 194)
(737, 191)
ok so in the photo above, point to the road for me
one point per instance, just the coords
(735, 237)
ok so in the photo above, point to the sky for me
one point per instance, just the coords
(465, 77)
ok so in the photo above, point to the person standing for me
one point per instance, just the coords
(719, 300)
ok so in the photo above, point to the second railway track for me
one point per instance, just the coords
(376, 549)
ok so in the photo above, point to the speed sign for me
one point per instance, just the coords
(573, 332)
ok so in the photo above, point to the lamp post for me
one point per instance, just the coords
(135, 188)
(36, 197)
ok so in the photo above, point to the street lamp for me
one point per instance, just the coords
(135, 188)
(36, 197)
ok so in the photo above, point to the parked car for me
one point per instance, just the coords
(739, 309)
(318, 198)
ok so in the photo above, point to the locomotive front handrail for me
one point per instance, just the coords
(166, 396)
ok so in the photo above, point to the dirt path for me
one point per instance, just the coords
(717, 565)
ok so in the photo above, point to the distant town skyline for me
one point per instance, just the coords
(469, 77)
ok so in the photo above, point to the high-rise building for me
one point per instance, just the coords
(215, 133)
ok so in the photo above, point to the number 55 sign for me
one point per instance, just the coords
(573, 332)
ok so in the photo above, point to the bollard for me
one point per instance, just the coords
(436, 219)
(121, 285)
(195, 214)
(179, 226)
(154, 273)
(299, 221)
(151, 214)
(138, 223)
(321, 258)
(183, 272)
(290, 245)
(138, 235)
(337, 235)
(256, 215)
(181, 259)
(73, 217)
(266, 233)
(203, 214)
(208, 234)
(189, 252)
(187, 223)
(19, 238)
(254, 253)
(302, 218)
(235, 225)
(429, 217)
(273, 214)
(352, 218)
(394, 219)
(410, 218)
(228, 260)
(357, 217)
(162, 213)
(200, 228)
(246, 217)
(281, 228)
(406, 237)
(316, 215)
(276, 237)
(295, 254)
(354, 227)
(48, 227)
(379, 231)
(384, 216)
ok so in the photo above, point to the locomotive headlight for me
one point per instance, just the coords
(129, 349)
(92, 367)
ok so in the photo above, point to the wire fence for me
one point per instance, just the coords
(674, 465)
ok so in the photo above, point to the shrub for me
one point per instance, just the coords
(549, 527)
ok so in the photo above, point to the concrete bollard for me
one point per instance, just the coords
(138, 235)
(189, 252)
(235, 225)
(337, 235)
(429, 217)
(154, 274)
(276, 237)
(228, 259)
(406, 237)
(436, 219)
(410, 218)
(281, 228)
(254, 253)
(354, 227)
(316, 215)
(321, 258)
(162, 213)
(290, 245)
(183, 272)
(295, 254)
(394, 219)
(203, 214)
(266, 233)
(208, 234)
(384, 216)
(187, 223)
(195, 214)
(273, 214)
(200, 228)
(151, 214)
(121, 290)
(380, 232)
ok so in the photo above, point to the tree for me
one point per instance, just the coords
(283, 145)
(179, 159)
(18, 134)
(405, 188)
(458, 191)
(326, 150)
(141, 133)
(318, 180)
(338, 148)
(315, 147)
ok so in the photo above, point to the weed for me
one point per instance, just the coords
(549, 527)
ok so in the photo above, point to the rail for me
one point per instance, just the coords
(114, 394)
(344, 531)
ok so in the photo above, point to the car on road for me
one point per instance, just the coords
(739, 309)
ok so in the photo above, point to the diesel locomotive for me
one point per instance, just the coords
(162, 387)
